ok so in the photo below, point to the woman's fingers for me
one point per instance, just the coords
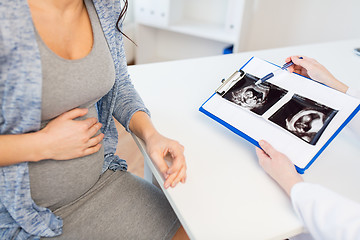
(177, 170)
(92, 150)
(180, 177)
(74, 113)
(89, 122)
(177, 154)
(70, 138)
(94, 129)
(175, 178)
(158, 159)
(158, 147)
(95, 140)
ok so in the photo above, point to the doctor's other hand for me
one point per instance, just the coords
(278, 166)
(310, 68)
(159, 148)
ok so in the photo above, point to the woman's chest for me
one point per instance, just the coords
(68, 33)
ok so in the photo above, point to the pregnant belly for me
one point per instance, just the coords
(54, 184)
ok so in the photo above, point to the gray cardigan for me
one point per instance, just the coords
(20, 102)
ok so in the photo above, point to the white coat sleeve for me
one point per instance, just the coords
(325, 214)
(354, 124)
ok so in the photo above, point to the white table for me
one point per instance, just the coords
(227, 195)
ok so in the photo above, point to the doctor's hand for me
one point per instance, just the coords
(160, 148)
(310, 68)
(278, 166)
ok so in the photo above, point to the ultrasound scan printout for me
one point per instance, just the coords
(256, 98)
(304, 118)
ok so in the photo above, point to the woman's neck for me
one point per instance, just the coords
(57, 6)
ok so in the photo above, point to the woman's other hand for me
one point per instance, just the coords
(310, 68)
(159, 148)
(68, 138)
(278, 166)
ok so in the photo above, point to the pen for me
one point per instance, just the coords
(270, 75)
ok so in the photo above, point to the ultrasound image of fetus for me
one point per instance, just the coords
(256, 98)
(304, 118)
(251, 96)
(306, 124)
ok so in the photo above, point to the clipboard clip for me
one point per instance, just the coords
(228, 83)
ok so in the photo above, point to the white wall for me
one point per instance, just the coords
(278, 23)
(209, 11)
(272, 24)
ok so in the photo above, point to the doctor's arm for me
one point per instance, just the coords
(325, 214)
(310, 68)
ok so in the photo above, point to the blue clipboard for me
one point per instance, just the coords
(255, 143)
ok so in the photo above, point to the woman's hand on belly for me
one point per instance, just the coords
(66, 138)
